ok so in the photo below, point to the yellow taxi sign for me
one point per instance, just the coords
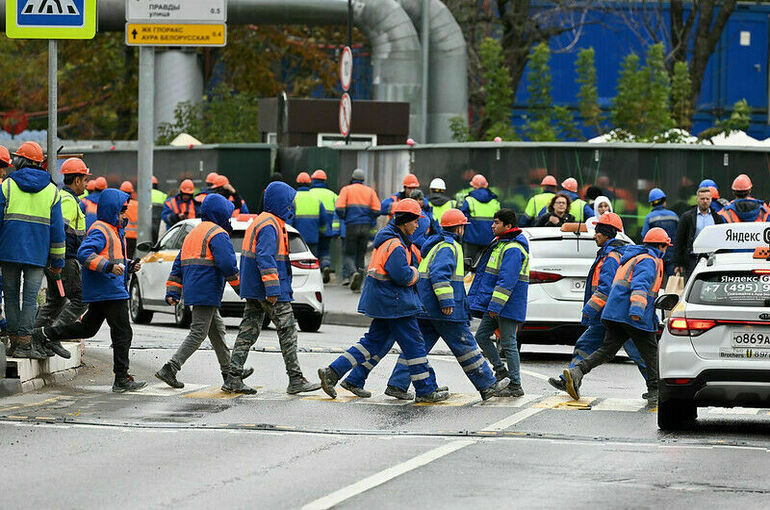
(47, 19)
(154, 34)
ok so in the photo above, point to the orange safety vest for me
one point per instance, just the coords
(599, 299)
(626, 272)
(132, 212)
(249, 247)
(187, 208)
(114, 251)
(382, 253)
(731, 216)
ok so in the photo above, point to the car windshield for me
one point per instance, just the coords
(731, 288)
(296, 243)
(562, 248)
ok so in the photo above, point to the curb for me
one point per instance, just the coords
(347, 319)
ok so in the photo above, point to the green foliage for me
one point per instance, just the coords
(498, 92)
(538, 126)
(566, 126)
(502, 129)
(460, 131)
(738, 120)
(588, 95)
(681, 92)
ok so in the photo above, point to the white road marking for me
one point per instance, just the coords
(534, 374)
(512, 419)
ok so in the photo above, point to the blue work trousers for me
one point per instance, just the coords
(508, 344)
(324, 251)
(379, 339)
(592, 338)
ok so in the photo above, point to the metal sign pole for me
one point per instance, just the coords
(350, 45)
(146, 141)
(53, 90)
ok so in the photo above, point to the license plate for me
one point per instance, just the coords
(578, 286)
(752, 339)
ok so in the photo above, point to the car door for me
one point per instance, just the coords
(156, 266)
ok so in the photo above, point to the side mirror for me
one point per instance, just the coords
(666, 301)
(145, 246)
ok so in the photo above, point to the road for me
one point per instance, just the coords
(80, 446)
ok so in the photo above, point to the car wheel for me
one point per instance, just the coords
(138, 314)
(310, 322)
(182, 315)
(676, 414)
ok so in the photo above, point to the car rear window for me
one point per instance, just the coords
(731, 288)
(562, 248)
(296, 243)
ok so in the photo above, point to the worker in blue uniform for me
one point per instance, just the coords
(663, 218)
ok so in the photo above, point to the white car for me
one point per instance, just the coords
(148, 285)
(715, 350)
(558, 269)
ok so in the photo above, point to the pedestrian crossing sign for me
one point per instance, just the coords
(50, 19)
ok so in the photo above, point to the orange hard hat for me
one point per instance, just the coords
(611, 219)
(91, 185)
(410, 181)
(407, 205)
(549, 180)
(453, 218)
(479, 181)
(319, 174)
(100, 184)
(714, 193)
(570, 184)
(657, 235)
(211, 177)
(127, 187)
(74, 166)
(742, 183)
(303, 178)
(31, 151)
(187, 187)
(5, 156)
(221, 181)
(154, 180)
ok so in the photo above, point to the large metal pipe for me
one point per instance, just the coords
(178, 78)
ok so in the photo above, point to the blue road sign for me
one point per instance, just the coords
(51, 19)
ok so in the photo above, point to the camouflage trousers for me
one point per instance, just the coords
(251, 326)
(66, 309)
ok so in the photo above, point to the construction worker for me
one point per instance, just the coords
(442, 292)
(90, 187)
(266, 286)
(390, 299)
(463, 193)
(439, 200)
(158, 200)
(498, 295)
(31, 238)
(598, 285)
(132, 213)
(88, 204)
(331, 227)
(539, 203)
(663, 218)
(410, 184)
(223, 187)
(210, 185)
(579, 208)
(479, 207)
(59, 309)
(358, 206)
(206, 261)
(158, 197)
(426, 225)
(106, 273)
(744, 208)
(181, 206)
(630, 312)
(309, 213)
(717, 203)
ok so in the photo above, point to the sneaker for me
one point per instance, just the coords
(127, 383)
(493, 390)
(234, 384)
(398, 393)
(442, 388)
(346, 281)
(436, 396)
(558, 383)
(356, 390)
(301, 385)
(168, 375)
(355, 282)
(573, 377)
(327, 274)
(512, 390)
(328, 379)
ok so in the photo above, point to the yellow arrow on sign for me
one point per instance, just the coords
(151, 34)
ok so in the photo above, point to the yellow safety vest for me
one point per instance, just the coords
(328, 198)
(439, 210)
(482, 211)
(32, 208)
(74, 218)
(158, 197)
(538, 203)
(577, 209)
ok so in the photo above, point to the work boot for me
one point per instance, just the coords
(558, 383)
(327, 274)
(512, 390)
(247, 372)
(356, 390)
(436, 396)
(55, 346)
(167, 374)
(13, 343)
(573, 377)
(494, 389)
(127, 383)
(442, 388)
(26, 349)
(234, 384)
(345, 281)
(398, 393)
(355, 282)
(301, 385)
(328, 379)
(652, 398)
(501, 374)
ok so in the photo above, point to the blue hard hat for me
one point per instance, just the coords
(656, 194)
(707, 183)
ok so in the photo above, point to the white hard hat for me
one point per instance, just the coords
(438, 184)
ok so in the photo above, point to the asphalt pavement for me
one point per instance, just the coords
(80, 446)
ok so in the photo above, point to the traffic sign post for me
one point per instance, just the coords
(155, 34)
(346, 117)
(346, 68)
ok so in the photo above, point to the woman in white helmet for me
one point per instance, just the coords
(438, 198)
(601, 205)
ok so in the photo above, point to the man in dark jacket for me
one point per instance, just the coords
(690, 225)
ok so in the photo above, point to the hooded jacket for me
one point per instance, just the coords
(103, 285)
(92, 197)
(358, 204)
(440, 203)
(746, 210)
(599, 281)
(386, 209)
(441, 283)
(170, 217)
(636, 297)
(480, 207)
(278, 201)
(501, 283)
(390, 291)
(601, 199)
(74, 222)
(202, 281)
(309, 215)
(39, 242)
(426, 226)
(328, 198)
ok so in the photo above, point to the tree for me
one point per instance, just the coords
(681, 93)
(588, 95)
(738, 120)
(539, 122)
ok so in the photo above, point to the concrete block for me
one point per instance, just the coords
(9, 387)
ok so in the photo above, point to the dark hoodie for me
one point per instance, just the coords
(103, 285)
(33, 243)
